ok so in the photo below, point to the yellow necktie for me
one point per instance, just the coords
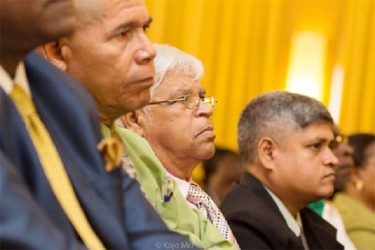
(54, 169)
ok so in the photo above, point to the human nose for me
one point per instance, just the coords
(205, 109)
(146, 51)
(330, 158)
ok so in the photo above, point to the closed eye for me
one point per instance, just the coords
(146, 27)
(124, 33)
(147, 24)
(316, 146)
(180, 99)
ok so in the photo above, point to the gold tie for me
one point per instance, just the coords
(54, 169)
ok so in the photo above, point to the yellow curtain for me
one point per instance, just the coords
(244, 46)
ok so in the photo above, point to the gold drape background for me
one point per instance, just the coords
(245, 44)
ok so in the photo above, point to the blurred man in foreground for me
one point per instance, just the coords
(47, 197)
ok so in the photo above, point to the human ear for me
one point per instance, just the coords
(54, 52)
(357, 179)
(133, 121)
(266, 148)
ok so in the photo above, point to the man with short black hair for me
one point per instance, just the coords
(284, 141)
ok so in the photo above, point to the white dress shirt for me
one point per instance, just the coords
(6, 82)
(184, 188)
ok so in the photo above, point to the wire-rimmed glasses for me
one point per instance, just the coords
(190, 101)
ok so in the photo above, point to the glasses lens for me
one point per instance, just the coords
(209, 101)
(191, 101)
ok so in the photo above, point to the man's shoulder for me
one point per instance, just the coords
(141, 152)
(254, 217)
(320, 233)
(135, 141)
(242, 197)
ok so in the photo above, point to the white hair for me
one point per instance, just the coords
(170, 58)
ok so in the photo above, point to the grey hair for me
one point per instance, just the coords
(273, 115)
(170, 58)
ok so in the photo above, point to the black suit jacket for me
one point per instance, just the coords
(70, 116)
(257, 223)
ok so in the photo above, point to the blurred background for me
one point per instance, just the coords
(321, 48)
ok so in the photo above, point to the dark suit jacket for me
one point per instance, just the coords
(257, 223)
(70, 116)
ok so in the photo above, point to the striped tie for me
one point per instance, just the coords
(208, 207)
(54, 169)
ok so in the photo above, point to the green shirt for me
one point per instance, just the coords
(176, 213)
(359, 221)
(317, 206)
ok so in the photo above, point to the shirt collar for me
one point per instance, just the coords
(182, 185)
(109, 130)
(294, 224)
(106, 130)
(6, 82)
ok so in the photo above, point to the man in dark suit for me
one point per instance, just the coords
(32, 215)
(284, 140)
(24, 223)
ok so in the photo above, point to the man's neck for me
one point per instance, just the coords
(10, 58)
(10, 63)
(291, 202)
(178, 167)
(105, 119)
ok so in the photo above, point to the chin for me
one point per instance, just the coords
(209, 152)
(326, 193)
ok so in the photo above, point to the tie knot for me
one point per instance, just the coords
(196, 195)
(207, 206)
(22, 100)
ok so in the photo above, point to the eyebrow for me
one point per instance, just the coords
(129, 24)
(186, 92)
(179, 92)
(321, 140)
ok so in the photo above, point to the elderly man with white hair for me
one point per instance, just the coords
(176, 124)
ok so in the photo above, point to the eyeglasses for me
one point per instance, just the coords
(190, 101)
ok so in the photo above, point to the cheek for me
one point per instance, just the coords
(368, 176)
(304, 172)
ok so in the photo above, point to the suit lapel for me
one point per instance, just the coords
(266, 206)
(319, 233)
(70, 116)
